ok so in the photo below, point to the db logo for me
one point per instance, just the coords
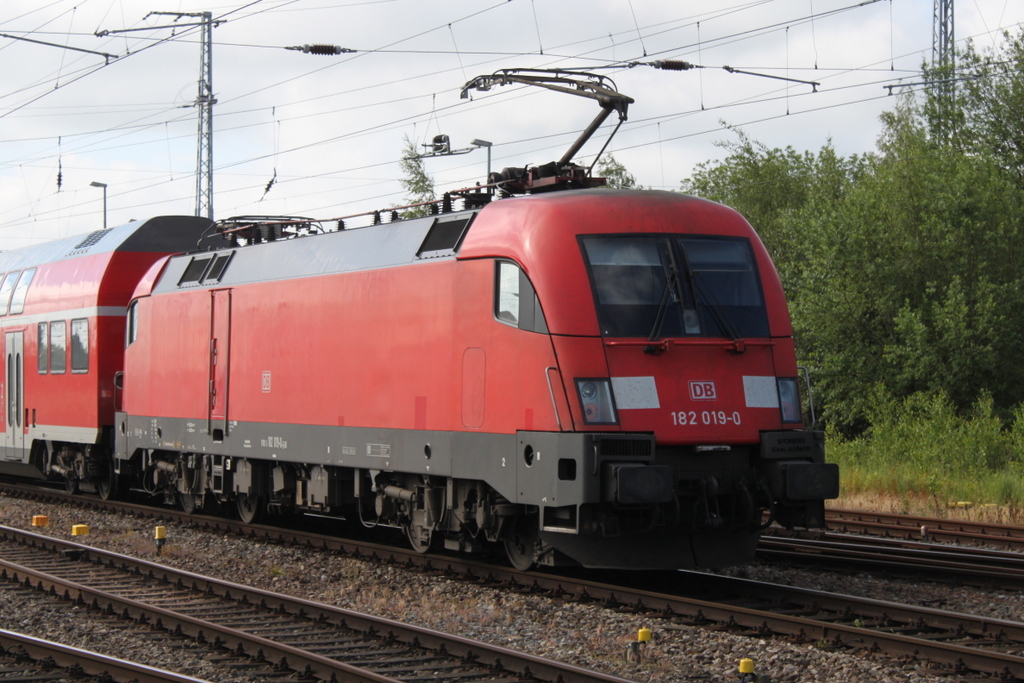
(702, 390)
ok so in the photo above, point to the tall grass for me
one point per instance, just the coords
(919, 449)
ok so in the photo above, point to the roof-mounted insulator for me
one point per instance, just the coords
(322, 49)
(376, 217)
(394, 216)
(341, 225)
(433, 209)
(673, 65)
(446, 203)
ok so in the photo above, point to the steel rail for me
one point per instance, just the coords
(828, 630)
(79, 662)
(498, 658)
(971, 566)
(838, 628)
(232, 639)
(925, 528)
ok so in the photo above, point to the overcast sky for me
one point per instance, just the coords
(330, 129)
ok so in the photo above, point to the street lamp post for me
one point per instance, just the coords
(441, 147)
(104, 186)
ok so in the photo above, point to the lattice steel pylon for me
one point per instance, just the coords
(943, 56)
(204, 103)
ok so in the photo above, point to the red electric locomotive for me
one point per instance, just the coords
(592, 376)
(600, 376)
(62, 310)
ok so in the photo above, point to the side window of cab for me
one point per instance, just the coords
(132, 328)
(515, 301)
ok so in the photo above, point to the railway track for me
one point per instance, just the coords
(890, 543)
(310, 639)
(26, 659)
(950, 642)
(910, 527)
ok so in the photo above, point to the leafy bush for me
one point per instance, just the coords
(919, 446)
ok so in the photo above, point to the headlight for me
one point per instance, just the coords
(789, 400)
(596, 401)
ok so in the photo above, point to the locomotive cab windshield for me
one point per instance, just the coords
(675, 286)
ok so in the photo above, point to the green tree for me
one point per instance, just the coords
(418, 184)
(777, 191)
(902, 266)
(990, 98)
(616, 175)
(912, 281)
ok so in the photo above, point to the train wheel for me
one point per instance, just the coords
(419, 537)
(189, 502)
(250, 508)
(521, 547)
(70, 483)
(108, 483)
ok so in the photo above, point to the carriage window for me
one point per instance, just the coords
(80, 346)
(43, 349)
(6, 289)
(58, 348)
(21, 291)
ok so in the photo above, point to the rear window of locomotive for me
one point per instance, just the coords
(717, 291)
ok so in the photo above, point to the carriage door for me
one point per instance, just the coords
(14, 437)
(220, 339)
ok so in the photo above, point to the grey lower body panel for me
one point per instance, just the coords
(600, 499)
(530, 468)
(465, 455)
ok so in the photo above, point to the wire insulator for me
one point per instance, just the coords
(673, 65)
(325, 49)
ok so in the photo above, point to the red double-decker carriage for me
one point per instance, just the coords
(62, 312)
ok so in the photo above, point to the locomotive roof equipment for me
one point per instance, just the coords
(561, 174)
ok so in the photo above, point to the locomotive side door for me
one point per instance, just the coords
(14, 437)
(220, 344)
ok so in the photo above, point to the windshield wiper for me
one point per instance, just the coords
(668, 262)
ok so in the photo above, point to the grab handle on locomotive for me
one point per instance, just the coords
(810, 395)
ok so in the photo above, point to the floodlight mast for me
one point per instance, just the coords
(572, 82)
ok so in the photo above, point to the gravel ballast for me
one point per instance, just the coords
(585, 635)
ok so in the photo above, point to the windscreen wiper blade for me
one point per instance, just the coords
(668, 262)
